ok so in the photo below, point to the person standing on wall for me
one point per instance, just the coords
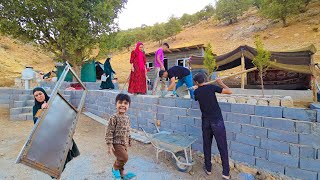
(159, 65)
(137, 83)
(107, 72)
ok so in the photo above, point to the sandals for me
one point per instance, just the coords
(128, 176)
(116, 174)
(226, 177)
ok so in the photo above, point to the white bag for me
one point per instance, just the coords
(104, 78)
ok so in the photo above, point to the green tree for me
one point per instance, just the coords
(261, 60)
(209, 60)
(158, 33)
(124, 39)
(281, 9)
(229, 10)
(69, 29)
(172, 27)
(187, 19)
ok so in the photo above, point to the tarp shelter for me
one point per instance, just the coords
(299, 61)
(60, 70)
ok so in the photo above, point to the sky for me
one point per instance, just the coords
(149, 12)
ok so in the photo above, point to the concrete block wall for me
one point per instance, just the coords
(276, 139)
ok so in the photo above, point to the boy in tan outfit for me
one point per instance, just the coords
(118, 137)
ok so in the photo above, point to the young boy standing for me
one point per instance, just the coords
(118, 137)
(212, 121)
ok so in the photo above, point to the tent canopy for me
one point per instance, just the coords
(298, 60)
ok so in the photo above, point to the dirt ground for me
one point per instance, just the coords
(93, 163)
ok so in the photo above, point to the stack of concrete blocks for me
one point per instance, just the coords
(281, 140)
(89, 85)
(268, 100)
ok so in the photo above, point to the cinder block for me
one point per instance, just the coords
(309, 140)
(315, 129)
(183, 103)
(142, 121)
(242, 108)
(300, 114)
(171, 102)
(198, 122)
(224, 115)
(165, 125)
(260, 153)
(160, 116)
(294, 150)
(310, 164)
(195, 104)
(225, 107)
(186, 120)
(308, 152)
(178, 127)
(250, 140)
(243, 158)
(150, 100)
(149, 115)
(280, 124)
(163, 110)
(303, 127)
(269, 111)
(193, 131)
(231, 136)
(194, 112)
(239, 118)
(283, 159)
(299, 173)
(256, 120)
(178, 111)
(283, 136)
(242, 148)
(15, 111)
(275, 145)
(254, 131)
(232, 127)
(170, 118)
(270, 166)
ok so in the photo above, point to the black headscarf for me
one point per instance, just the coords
(37, 105)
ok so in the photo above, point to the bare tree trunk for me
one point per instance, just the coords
(77, 69)
(261, 79)
(284, 22)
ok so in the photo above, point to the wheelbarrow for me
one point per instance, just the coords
(178, 145)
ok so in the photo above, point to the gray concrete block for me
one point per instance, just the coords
(178, 111)
(195, 104)
(171, 102)
(163, 110)
(283, 159)
(225, 107)
(260, 153)
(309, 140)
(275, 145)
(254, 131)
(165, 125)
(183, 103)
(171, 118)
(256, 120)
(142, 121)
(194, 131)
(243, 158)
(232, 127)
(194, 112)
(224, 115)
(242, 148)
(149, 115)
(17, 103)
(307, 152)
(198, 122)
(160, 116)
(15, 111)
(186, 120)
(269, 111)
(294, 150)
(250, 140)
(283, 136)
(300, 114)
(303, 127)
(148, 107)
(300, 174)
(238, 118)
(270, 166)
(27, 109)
(280, 124)
(178, 127)
(150, 100)
(315, 129)
(243, 108)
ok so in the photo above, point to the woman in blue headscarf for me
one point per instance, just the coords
(41, 99)
(108, 73)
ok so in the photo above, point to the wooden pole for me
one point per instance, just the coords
(242, 69)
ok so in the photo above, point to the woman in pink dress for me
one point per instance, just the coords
(137, 83)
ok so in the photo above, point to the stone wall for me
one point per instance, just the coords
(277, 139)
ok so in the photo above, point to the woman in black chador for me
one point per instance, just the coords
(40, 102)
(108, 73)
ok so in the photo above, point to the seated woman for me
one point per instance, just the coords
(40, 102)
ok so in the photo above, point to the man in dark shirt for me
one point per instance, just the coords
(182, 74)
(212, 121)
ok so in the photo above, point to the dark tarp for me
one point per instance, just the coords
(298, 60)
